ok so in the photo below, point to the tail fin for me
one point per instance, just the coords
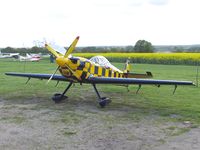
(127, 66)
(128, 74)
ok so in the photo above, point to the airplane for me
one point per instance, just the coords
(28, 57)
(7, 55)
(97, 70)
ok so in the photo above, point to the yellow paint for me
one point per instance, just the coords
(99, 71)
(95, 75)
(117, 74)
(87, 65)
(49, 48)
(88, 74)
(112, 74)
(78, 62)
(61, 61)
(107, 73)
(79, 72)
(92, 69)
(72, 65)
(72, 47)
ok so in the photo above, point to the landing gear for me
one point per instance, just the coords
(57, 98)
(103, 101)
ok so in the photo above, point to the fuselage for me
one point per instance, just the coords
(83, 68)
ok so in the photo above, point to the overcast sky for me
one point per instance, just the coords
(99, 22)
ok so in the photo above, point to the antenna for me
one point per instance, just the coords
(24, 61)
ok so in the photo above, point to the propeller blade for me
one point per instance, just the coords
(71, 47)
(53, 74)
(49, 48)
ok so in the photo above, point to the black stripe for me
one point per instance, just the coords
(81, 66)
(74, 60)
(110, 73)
(84, 74)
(103, 71)
(96, 70)
(115, 74)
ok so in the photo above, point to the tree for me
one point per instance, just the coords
(143, 46)
(129, 49)
(8, 50)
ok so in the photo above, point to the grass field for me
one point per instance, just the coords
(153, 118)
(185, 104)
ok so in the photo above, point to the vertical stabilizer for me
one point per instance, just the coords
(127, 68)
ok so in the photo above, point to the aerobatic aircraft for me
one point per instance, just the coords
(97, 70)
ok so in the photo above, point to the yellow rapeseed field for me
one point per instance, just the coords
(162, 58)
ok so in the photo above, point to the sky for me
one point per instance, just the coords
(25, 23)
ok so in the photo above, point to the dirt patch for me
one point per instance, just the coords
(80, 124)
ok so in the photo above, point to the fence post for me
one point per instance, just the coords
(197, 75)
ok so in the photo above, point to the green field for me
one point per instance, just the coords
(184, 105)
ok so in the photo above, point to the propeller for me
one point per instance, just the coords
(53, 74)
(61, 58)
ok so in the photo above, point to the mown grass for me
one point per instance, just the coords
(14, 119)
(151, 100)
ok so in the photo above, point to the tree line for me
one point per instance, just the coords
(141, 46)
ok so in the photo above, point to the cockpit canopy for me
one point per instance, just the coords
(102, 61)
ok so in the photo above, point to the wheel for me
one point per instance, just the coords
(104, 101)
(57, 98)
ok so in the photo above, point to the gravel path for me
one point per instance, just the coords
(40, 124)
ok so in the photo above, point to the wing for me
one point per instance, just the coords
(103, 80)
(38, 76)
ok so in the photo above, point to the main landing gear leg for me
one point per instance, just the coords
(57, 98)
(103, 101)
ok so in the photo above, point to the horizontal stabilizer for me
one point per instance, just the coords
(138, 75)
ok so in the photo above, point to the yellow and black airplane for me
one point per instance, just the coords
(96, 70)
